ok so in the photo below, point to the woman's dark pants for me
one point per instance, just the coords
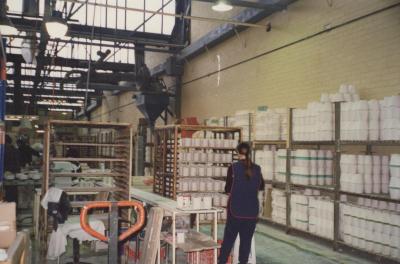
(234, 226)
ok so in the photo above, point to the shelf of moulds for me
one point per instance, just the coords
(206, 148)
(269, 142)
(379, 197)
(394, 143)
(378, 258)
(313, 143)
(276, 184)
(315, 187)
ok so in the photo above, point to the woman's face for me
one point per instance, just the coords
(242, 153)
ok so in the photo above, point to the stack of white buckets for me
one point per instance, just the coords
(364, 173)
(371, 120)
(371, 229)
(280, 165)
(394, 186)
(271, 124)
(312, 212)
(315, 123)
(312, 167)
(278, 206)
(266, 159)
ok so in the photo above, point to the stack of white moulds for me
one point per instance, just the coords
(299, 211)
(321, 217)
(267, 125)
(278, 206)
(390, 118)
(395, 176)
(283, 113)
(371, 229)
(243, 119)
(312, 167)
(312, 212)
(315, 123)
(346, 93)
(280, 165)
(354, 120)
(266, 159)
(371, 120)
(271, 124)
(364, 173)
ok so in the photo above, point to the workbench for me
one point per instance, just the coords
(197, 242)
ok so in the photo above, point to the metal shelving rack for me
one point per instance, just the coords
(333, 190)
(114, 152)
(167, 149)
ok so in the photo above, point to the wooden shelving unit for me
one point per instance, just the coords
(95, 143)
(168, 149)
(334, 190)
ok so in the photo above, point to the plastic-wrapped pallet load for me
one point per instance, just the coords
(371, 229)
(278, 206)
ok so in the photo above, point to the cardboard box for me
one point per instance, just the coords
(8, 229)
(18, 252)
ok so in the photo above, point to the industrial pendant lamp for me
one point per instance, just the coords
(6, 26)
(56, 26)
(222, 6)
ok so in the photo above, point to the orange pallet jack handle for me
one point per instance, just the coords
(102, 205)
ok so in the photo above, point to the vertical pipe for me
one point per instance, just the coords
(336, 205)
(178, 96)
(288, 163)
(3, 87)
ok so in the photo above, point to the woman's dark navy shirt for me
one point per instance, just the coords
(229, 181)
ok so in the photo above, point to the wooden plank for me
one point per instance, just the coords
(151, 243)
(89, 144)
(88, 123)
(84, 174)
(86, 159)
(89, 189)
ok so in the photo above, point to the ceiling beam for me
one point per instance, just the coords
(77, 63)
(99, 33)
(260, 4)
(26, 90)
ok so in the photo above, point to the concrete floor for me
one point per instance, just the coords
(273, 246)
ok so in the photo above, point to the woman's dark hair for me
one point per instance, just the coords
(244, 149)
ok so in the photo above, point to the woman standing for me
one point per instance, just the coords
(243, 183)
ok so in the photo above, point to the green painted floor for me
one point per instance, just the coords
(273, 246)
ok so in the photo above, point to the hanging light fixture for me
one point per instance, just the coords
(56, 26)
(222, 6)
(6, 26)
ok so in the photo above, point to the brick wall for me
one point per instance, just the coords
(365, 53)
